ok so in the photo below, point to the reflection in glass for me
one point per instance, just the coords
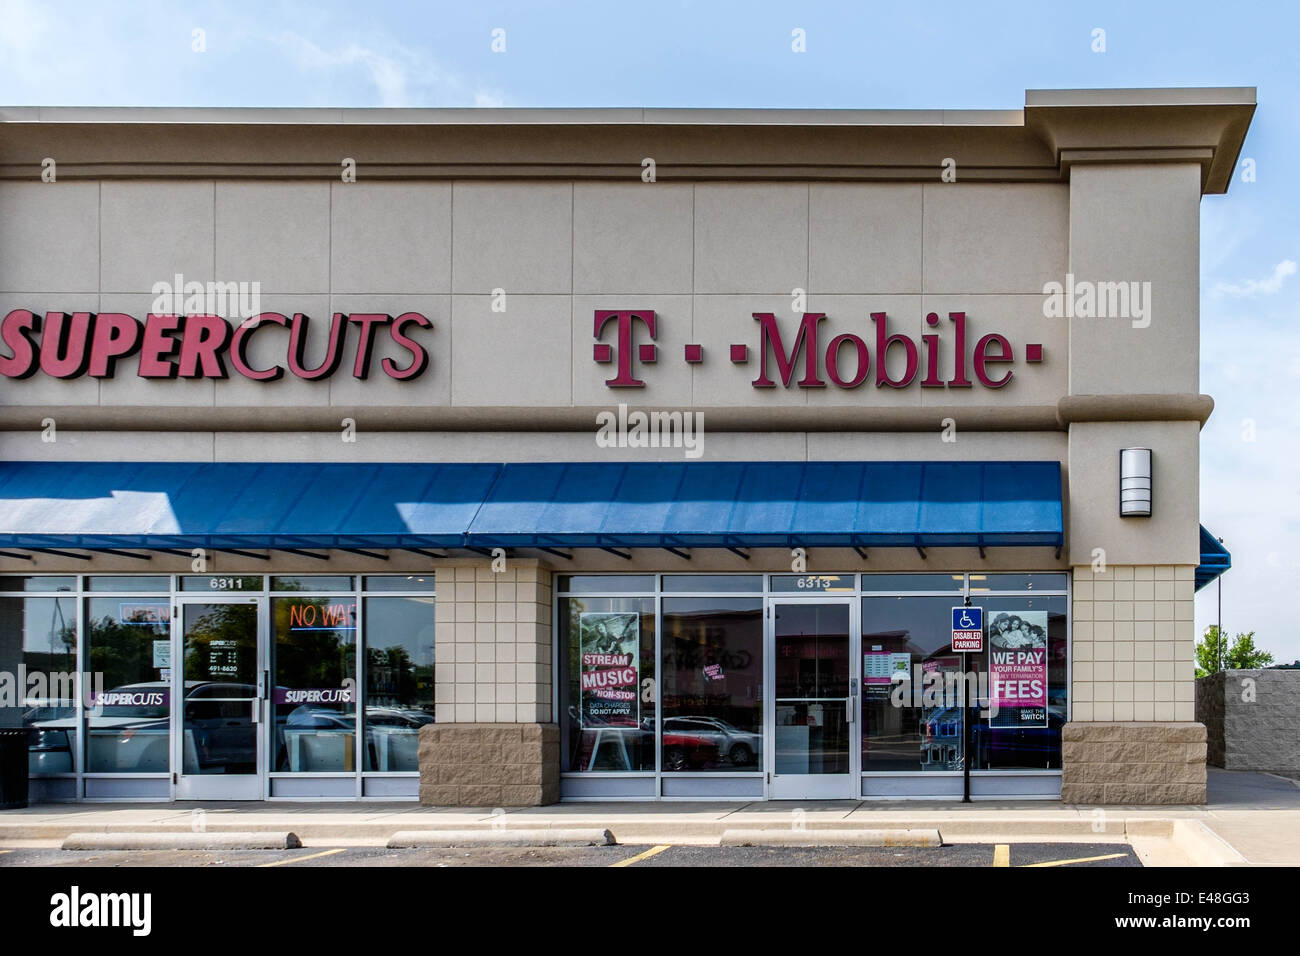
(40, 582)
(128, 583)
(607, 704)
(713, 684)
(904, 638)
(605, 583)
(128, 728)
(812, 668)
(914, 582)
(40, 636)
(1020, 740)
(312, 582)
(399, 662)
(713, 583)
(901, 637)
(219, 656)
(398, 582)
(314, 699)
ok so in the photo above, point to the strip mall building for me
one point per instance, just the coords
(495, 457)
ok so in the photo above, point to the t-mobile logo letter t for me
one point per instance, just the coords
(626, 352)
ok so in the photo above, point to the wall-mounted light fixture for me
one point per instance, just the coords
(1135, 482)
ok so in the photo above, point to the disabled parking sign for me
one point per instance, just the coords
(968, 630)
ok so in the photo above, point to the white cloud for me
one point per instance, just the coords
(23, 25)
(1253, 287)
(401, 77)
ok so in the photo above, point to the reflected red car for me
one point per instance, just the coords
(688, 752)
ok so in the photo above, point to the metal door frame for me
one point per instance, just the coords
(208, 786)
(844, 786)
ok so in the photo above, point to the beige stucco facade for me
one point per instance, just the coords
(509, 229)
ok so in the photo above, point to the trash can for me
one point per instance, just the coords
(14, 742)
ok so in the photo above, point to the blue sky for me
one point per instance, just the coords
(869, 55)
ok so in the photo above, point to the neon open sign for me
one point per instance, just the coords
(317, 616)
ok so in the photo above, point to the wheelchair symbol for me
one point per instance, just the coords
(966, 620)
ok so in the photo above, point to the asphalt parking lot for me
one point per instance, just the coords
(1015, 854)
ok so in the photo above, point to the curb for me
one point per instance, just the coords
(485, 837)
(1203, 846)
(838, 837)
(282, 840)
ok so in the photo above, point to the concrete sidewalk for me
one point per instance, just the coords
(1251, 818)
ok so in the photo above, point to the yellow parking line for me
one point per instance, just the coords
(642, 856)
(1002, 854)
(299, 859)
(1082, 859)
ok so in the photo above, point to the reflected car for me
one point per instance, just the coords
(688, 751)
(1010, 746)
(225, 733)
(740, 747)
(119, 738)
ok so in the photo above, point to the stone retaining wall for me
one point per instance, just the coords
(1252, 719)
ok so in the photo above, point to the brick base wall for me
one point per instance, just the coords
(1133, 763)
(489, 765)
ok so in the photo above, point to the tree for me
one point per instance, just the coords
(1241, 654)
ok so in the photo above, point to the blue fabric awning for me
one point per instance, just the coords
(97, 505)
(773, 504)
(1215, 559)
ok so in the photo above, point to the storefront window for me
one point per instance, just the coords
(37, 583)
(903, 729)
(1026, 650)
(814, 583)
(398, 582)
(312, 582)
(713, 583)
(607, 683)
(399, 663)
(914, 582)
(222, 583)
(128, 583)
(128, 725)
(983, 583)
(38, 648)
(605, 583)
(713, 684)
(315, 691)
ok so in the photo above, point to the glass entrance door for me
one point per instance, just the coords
(813, 681)
(218, 677)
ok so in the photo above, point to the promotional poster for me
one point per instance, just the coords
(1018, 668)
(610, 668)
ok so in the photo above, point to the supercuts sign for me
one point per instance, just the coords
(72, 344)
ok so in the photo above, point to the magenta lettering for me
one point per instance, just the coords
(71, 344)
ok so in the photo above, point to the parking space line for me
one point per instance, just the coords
(299, 859)
(642, 856)
(1002, 854)
(1082, 859)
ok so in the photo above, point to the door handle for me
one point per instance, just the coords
(851, 703)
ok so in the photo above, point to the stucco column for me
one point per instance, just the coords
(493, 743)
(1133, 739)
